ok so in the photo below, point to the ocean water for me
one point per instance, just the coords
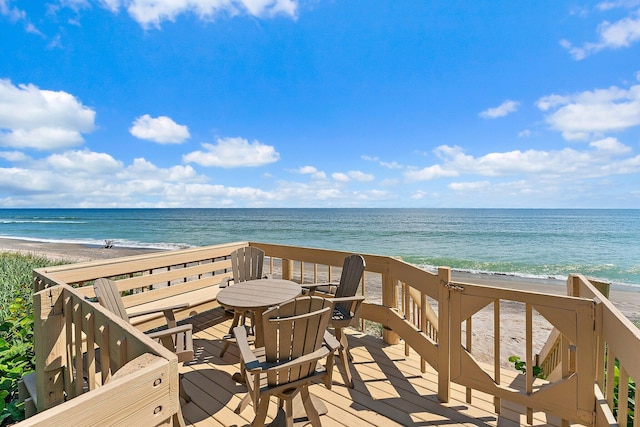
(540, 243)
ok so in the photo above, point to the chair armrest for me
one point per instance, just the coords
(331, 341)
(354, 303)
(225, 282)
(251, 362)
(325, 288)
(171, 331)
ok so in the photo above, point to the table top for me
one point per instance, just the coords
(257, 294)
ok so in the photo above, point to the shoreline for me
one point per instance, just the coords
(626, 300)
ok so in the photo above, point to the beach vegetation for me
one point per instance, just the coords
(631, 395)
(16, 329)
(521, 366)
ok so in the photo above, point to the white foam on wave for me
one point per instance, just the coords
(120, 243)
(614, 285)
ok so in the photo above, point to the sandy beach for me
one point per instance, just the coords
(512, 328)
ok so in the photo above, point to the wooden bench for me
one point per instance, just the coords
(154, 280)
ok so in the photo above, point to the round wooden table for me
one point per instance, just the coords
(257, 296)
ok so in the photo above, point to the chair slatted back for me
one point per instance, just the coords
(292, 330)
(247, 264)
(352, 270)
(109, 297)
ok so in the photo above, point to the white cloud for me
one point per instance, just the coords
(88, 179)
(83, 161)
(13, 13)
(304, 170)
(151, 13)
(429, 173)
(310, 170)
(388, 165)
(41, 119)
(360, 176)
(554, 163)
(340, 177)
(162, 130)
(232, 153)
(501, 110)
(14, 156)
(469, 186)
(611, 146)
(589, 113)
(614, 35)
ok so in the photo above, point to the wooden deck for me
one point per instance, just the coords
(389, 388)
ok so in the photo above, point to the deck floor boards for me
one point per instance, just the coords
(389, 388)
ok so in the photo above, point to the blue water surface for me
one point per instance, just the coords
(523, 242)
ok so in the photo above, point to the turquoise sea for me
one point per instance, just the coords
(541, 243)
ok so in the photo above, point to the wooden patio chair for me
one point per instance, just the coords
(295, 334)
(175, 338)
(346, 306)
(246, 264)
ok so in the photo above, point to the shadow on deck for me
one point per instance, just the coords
(389, 388)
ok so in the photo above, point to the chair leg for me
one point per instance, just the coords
(343, 354)
(312, 413)
(182, 391)
(178, 419)
(261, 412)
(243, 404)
(236, 320)
(289, 412)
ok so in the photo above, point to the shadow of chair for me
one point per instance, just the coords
(175, 338)
(345, 306)
(246, 264)
(295, 341)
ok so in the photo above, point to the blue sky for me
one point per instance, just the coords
(319, 103)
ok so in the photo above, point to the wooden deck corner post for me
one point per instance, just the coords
(585, 362)
(444, 330)
(573, 285)
(389, 299)
(49, 347)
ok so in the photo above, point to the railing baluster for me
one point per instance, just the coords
(77, 320)
(496, 352)
(90, 359)
(623, 396)
(67, 372)
(529, 357)
(105, 362)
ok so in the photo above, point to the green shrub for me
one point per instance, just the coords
(522, 367)
(16, 329)
(630, 399)
(16, 357)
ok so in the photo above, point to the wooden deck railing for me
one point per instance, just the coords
(92, 367)
(432, 315)
(617, 348)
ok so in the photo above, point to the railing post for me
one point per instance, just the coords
(287, 269)
(444, 350)
(389, 299)
(585, 362)
(50, 350)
